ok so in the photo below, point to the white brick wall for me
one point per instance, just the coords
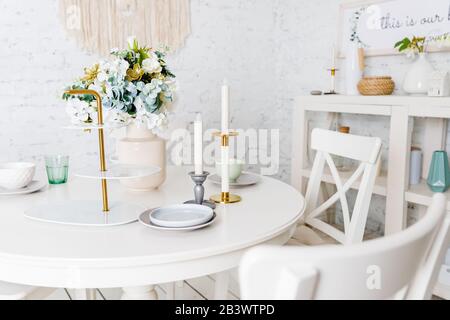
(270, 50)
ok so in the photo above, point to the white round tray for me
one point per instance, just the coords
(86, 213)
(117, 172)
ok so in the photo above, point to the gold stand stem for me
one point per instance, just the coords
(101, 144)
(101, 140)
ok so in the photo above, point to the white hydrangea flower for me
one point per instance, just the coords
(152, 65)
(102, 76)
(92, 110)
(80, 111)
(116, 117)
(152, 120)
(120, 67)
(116, 69)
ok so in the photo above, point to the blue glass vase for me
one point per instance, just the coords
(439, 174)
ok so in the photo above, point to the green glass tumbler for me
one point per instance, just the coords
(57, 167)
(439, 174)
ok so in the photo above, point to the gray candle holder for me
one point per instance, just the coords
(199, 190)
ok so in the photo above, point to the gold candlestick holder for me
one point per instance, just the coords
(101, 141)
(333, 81)
(225, 197)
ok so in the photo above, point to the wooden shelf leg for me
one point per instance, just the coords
(398, 171)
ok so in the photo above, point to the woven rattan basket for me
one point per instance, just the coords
(376, 86)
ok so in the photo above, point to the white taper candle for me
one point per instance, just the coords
(198, 144)
(333, 58)
(224, 173)
(225, 107)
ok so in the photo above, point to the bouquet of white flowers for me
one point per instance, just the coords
(135, 86)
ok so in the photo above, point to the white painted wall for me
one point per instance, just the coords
(269, 50)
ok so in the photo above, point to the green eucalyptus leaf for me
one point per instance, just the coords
(398, 44)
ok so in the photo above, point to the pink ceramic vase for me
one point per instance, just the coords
(142, 147)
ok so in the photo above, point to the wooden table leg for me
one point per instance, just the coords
(85, 294)
(221, 285)
(170, 291)
(139, 293)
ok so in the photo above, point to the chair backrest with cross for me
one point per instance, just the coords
(366, 151)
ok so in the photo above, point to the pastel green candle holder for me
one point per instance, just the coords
(439, 174)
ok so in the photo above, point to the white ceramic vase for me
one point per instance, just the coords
(353, 72)
(417, 78)
(142, 147)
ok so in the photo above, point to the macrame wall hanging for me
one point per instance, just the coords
(100, 25)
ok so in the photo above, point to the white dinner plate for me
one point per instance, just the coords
(245, 179)
(144, 218)
(181, 215)
(33, 186)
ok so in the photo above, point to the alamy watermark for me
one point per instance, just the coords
(373, 281)
(258, 147)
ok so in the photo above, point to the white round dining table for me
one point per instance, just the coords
(134, 256)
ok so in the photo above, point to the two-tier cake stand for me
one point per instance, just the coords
(92, 213)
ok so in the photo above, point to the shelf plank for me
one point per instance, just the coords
(422, 195)
(348, 108)
(419, 103)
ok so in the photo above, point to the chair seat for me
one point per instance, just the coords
(308, 236)
(11, 291)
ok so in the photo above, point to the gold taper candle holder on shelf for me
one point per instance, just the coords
(101, 140)
(225, 197)
(333, 81)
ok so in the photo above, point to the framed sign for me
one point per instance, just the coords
(377, 25)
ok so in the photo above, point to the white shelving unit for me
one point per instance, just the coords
(394, 184)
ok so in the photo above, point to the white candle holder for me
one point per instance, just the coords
(225, 197)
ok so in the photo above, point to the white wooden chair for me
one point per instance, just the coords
(401, 266)
(365, 150)
(11, 291)
(312, 230)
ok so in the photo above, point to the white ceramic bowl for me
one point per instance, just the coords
(16, 175)
(235, 168)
